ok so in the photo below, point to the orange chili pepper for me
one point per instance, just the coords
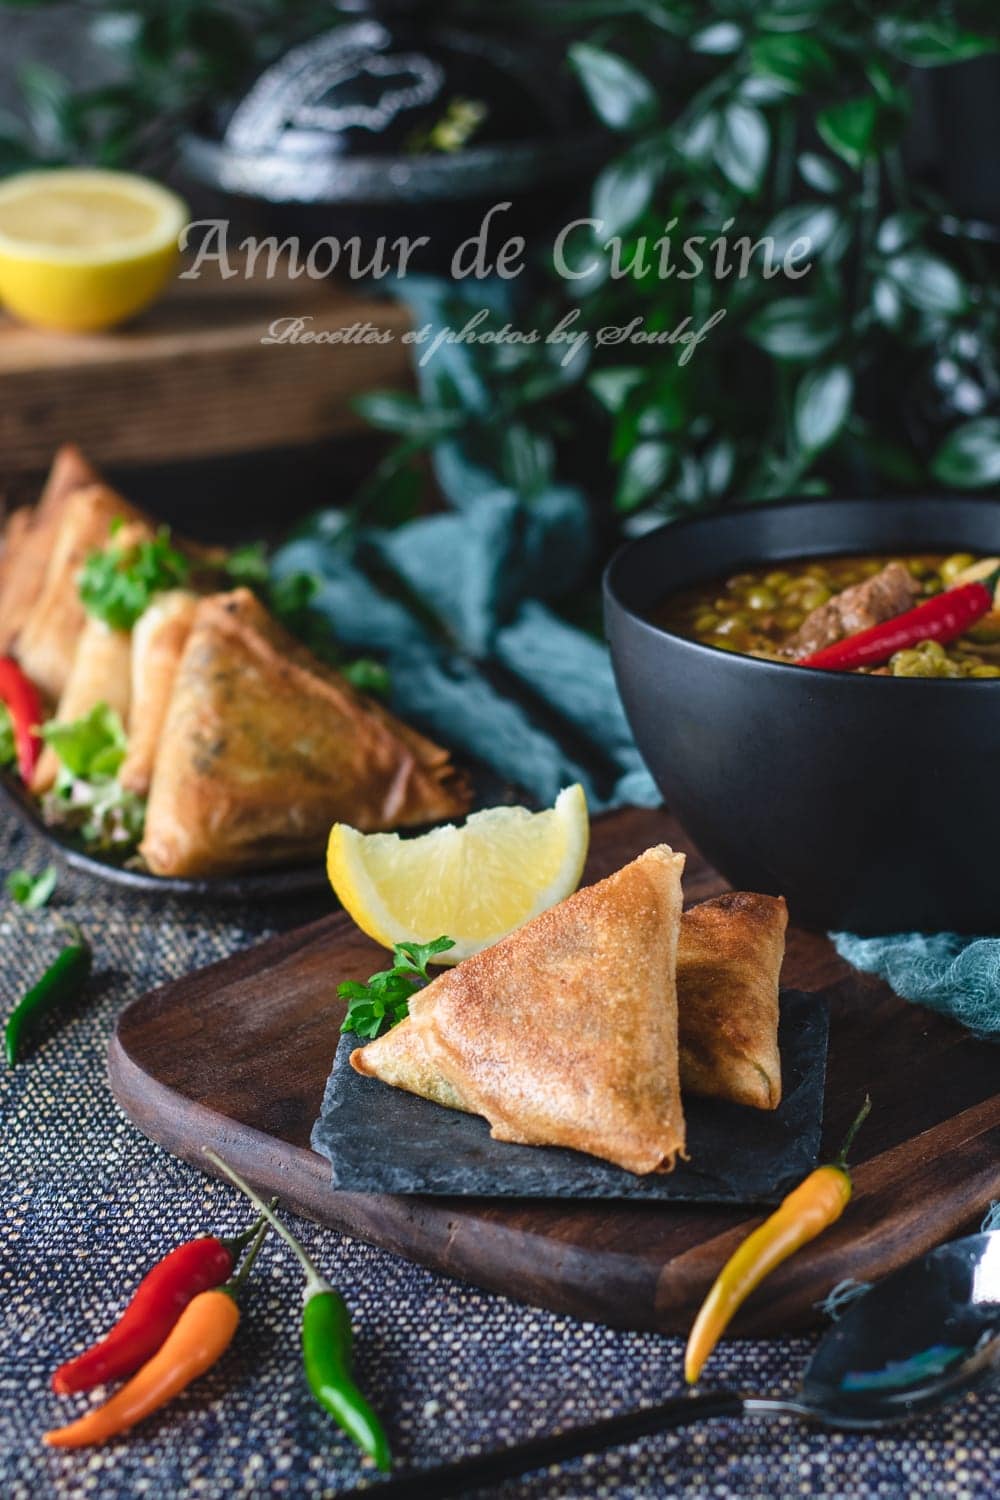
(199, 1338)
(810, 1208)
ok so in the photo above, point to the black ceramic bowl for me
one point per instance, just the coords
(871, 803)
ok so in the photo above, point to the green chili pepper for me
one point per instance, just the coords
(62, 981)
(326, 1343)
(326, 1352)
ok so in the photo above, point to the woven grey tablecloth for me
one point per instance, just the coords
(89, 1204)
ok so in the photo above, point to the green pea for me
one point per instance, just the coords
(813, 596)
(706, 621)
(955, 564)
(761, 597)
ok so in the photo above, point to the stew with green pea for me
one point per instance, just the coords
(771, 611)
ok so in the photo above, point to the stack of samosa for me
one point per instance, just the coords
(582, 1028)
(247, 746)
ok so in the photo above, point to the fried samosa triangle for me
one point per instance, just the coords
(728, 965)
(47, 644)
(564, 1033)
(158, 640)
(264, 747)
(28, 539)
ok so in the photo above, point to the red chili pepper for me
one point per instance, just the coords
(160, 1298)
(25, 708)
(944, 617)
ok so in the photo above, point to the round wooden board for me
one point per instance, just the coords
(236, 1056)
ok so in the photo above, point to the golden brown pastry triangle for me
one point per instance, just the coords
(158, 640)
(46, 647)
(565, 1032)
(28, 538)
(264, 747)
(728, 965)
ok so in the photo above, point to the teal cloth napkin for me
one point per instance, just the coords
(956, 976)
(460, 607)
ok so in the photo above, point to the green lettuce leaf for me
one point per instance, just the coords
(91, 747)
(87, 797)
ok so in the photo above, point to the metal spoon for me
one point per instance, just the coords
(920, 1337)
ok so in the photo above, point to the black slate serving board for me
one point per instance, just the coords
(383, 1140)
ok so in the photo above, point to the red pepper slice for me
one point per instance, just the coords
(160, 1298)
(944, 617)
(25, 708)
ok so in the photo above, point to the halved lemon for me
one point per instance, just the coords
(474, 884)
(82, 248)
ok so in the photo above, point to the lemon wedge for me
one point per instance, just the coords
(474, 884)
(82, 249)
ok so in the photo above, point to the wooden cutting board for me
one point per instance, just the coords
(236, 1057)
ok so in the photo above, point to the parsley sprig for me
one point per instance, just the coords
(31, 891)
(385, 1000)
(117, 584)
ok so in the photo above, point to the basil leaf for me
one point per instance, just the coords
(932, 42)
(743, 146)
(643, 472)
(815, 222)
(898, 230)
(796, 60)
(887, 302)
(396, 411)
(819, 172)
(795, 328)
(619, 94)
(927, 282)
(822, 402)
(851, 128)
(717, 40)
(624, 188)
(969, 457)
(612, 386)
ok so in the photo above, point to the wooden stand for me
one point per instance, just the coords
(192, 378)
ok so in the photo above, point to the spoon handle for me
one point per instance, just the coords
(537, 1453)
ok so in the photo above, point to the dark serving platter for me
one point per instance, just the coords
(275, 884)
(278, 883)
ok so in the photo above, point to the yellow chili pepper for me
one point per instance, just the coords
(199, 1338)
(810, 1208)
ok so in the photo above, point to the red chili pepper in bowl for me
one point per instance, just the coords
(159, 1299)
(24, 705)
(943, 617)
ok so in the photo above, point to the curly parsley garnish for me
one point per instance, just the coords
(117, 584)
(385, 1000)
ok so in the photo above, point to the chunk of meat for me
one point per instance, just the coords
(889, 593)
